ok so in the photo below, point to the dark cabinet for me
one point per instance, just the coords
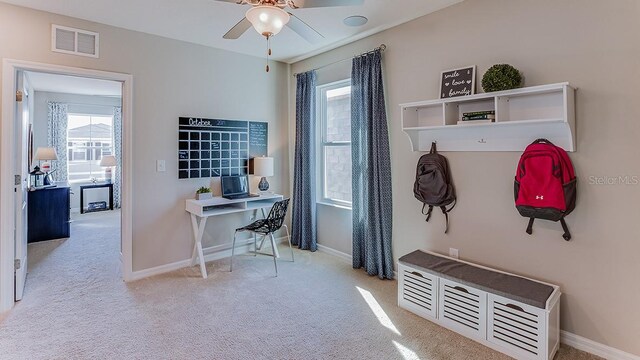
(49, 214)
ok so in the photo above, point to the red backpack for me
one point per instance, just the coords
(545, 184)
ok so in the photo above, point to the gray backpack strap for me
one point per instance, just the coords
(446, 216)
(428, 212)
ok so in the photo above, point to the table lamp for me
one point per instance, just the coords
(107, 162)
(263, 166)
(46, 154)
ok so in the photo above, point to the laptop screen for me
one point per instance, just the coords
(235, 185)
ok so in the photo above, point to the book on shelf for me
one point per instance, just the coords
(479, 117)
(475, 113)
(473, 122)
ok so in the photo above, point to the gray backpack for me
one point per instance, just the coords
(433, 186)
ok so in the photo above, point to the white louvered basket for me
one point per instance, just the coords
(463, 308)
(418, 292)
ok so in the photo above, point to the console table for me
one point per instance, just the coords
(201, 210)
(96, 186)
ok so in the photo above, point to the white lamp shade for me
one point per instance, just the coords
(267, 19)
(263, 166)
(108, 160)
(45, 153)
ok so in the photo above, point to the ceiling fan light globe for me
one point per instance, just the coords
(267, 19)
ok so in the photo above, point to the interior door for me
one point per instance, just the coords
(21, 182)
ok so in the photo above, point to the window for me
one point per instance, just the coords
(334, 115)
(90, 137)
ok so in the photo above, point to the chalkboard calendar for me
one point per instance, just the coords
(214, 147)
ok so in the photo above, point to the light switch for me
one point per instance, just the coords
(161, 166)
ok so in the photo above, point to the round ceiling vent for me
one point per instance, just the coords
(356, 20)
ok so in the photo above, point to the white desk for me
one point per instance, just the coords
(201, 210)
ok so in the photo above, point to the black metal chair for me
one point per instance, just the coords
(266, 227)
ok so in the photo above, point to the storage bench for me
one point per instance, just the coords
(511, 314)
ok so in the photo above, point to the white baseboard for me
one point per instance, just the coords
(141, 274)
(339, 254)
(595, 348)
(211, 253)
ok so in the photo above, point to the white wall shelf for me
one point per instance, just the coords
(522, 115)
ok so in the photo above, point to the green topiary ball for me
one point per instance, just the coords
(501, 77)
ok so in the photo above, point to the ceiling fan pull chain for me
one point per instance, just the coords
(268, 50)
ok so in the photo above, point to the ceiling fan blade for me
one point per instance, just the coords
(303, 29)
(238, 29)
(323, 3)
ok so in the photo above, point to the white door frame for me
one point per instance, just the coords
(7, 211)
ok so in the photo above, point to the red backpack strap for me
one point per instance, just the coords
(565, 228)
(530, 226)
(567, 166)
(567, 234)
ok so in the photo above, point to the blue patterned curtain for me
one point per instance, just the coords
(117, 147)
(304, 232)
(57, 138)
(371, 165)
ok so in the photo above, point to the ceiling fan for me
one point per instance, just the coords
(268, 17)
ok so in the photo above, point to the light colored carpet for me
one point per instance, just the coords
(76, 307)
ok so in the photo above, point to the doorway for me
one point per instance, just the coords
(83, 149)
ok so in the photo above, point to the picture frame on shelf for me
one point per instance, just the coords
(458, 82)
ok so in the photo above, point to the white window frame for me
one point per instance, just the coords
(322, 143)
(90, 147)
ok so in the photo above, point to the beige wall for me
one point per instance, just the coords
(170, 79)
(592, 44)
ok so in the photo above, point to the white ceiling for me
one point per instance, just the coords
(205, 21)
(73, 85)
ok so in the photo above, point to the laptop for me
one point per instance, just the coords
(236, 187)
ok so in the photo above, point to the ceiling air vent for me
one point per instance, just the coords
(74, 41)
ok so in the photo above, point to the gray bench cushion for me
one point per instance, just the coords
(509, 286)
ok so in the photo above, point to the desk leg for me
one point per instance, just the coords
(198, 233)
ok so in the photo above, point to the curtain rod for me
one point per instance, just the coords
(382, 48)
(82, 104)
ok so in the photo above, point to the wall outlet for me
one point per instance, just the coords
(161, 166)
(453, 253)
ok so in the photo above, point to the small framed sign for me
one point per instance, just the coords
(458, 82)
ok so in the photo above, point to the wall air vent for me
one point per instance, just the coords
(74, 41)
